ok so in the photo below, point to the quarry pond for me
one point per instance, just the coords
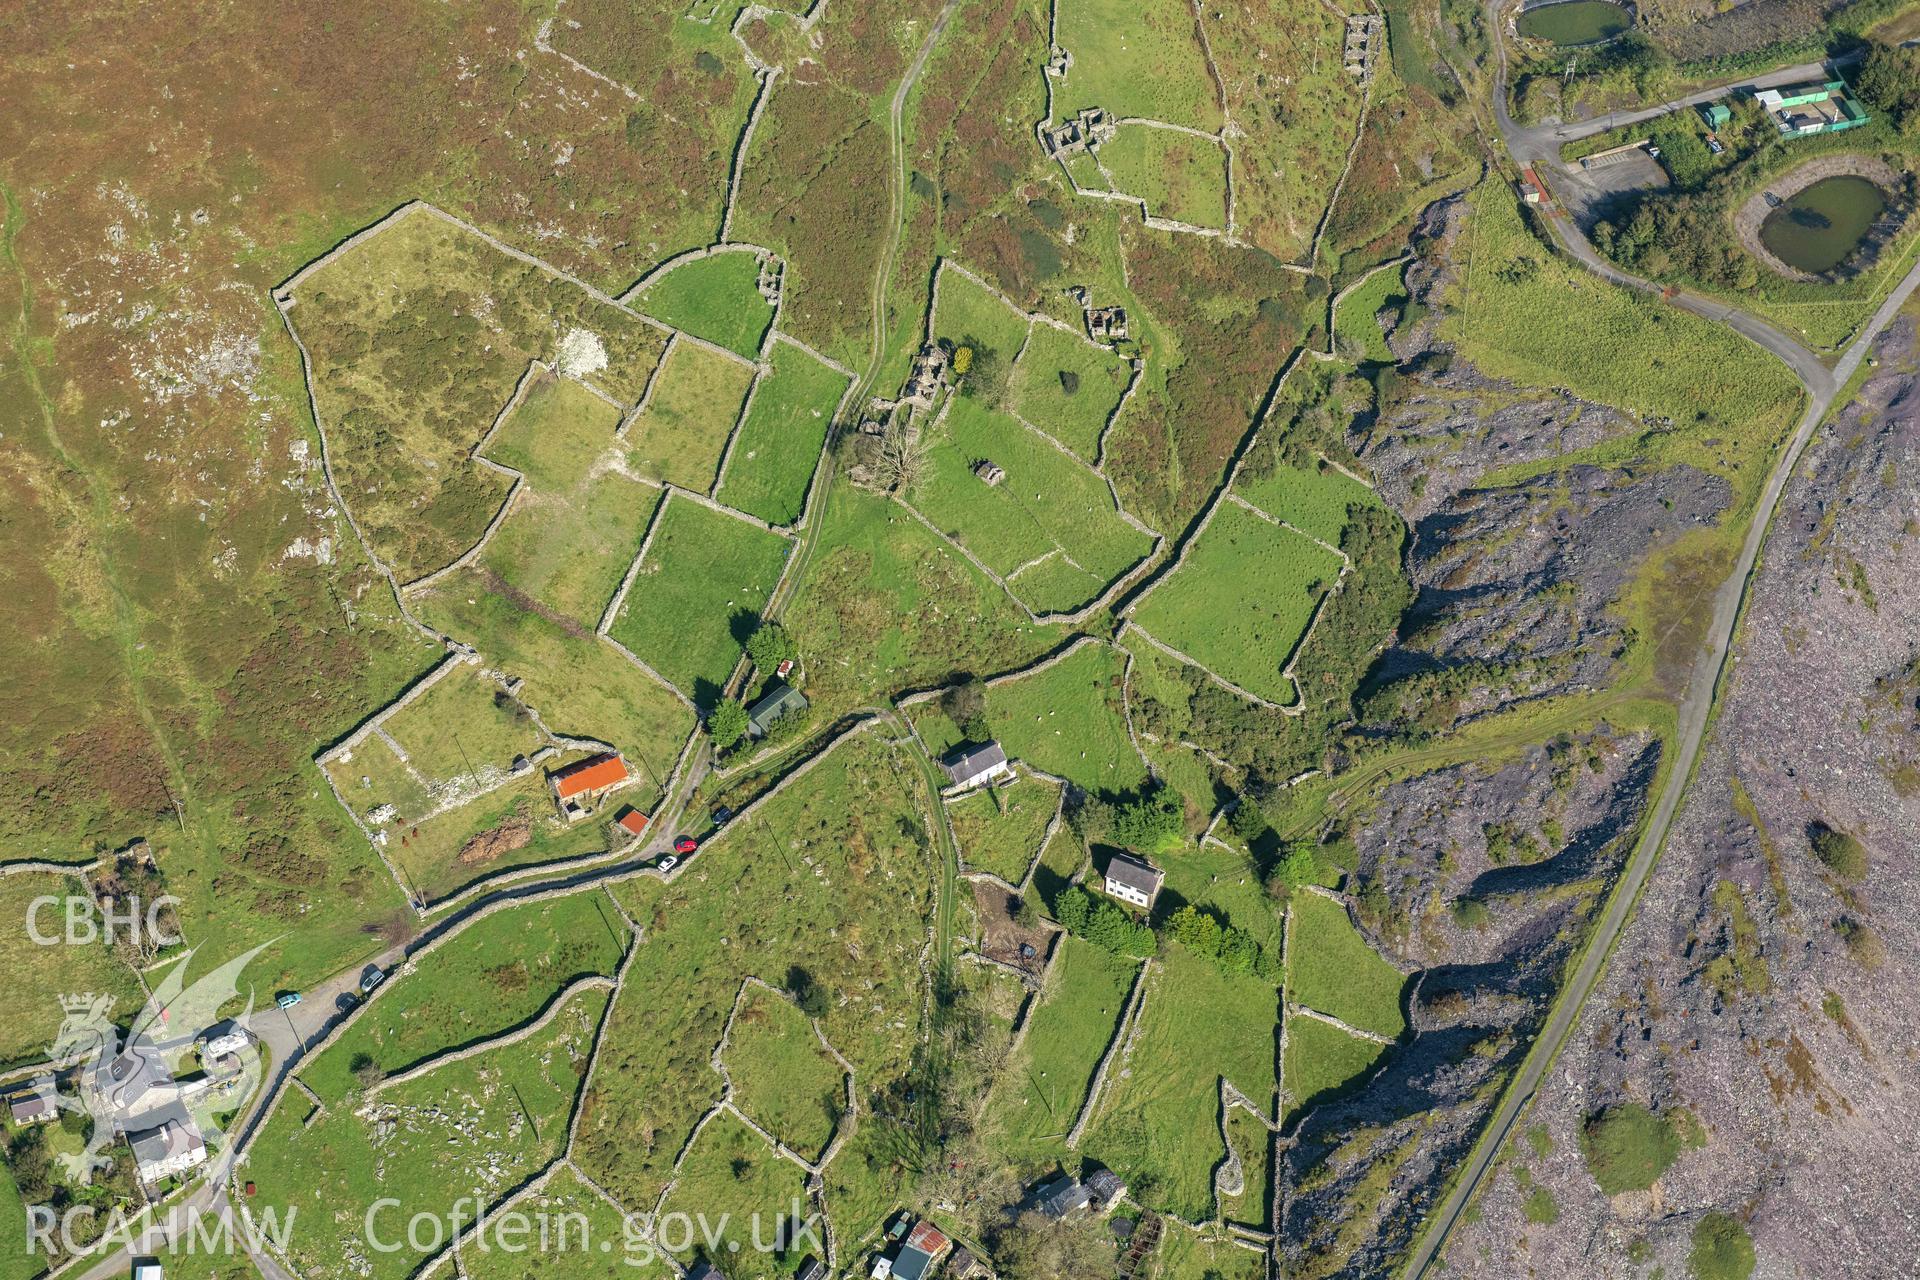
(1818, 227)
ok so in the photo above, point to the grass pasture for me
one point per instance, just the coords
(1177, 175)
(1357, 316)
(1050, 507)
(682, 433)
(1067, 720)
(1159, 1125)
(713, 298)
(417, 337)
(832, 876)
(554, 434)
(1185, 1255)
(1252, 1142)
(970, 314)
(1321, 1061)
(1332, 969)
(494, 975)
(577, 1218)
(1069, 387)
(461, 733)
(698, 594)
(1141, 59)
(782, 1077)
(1038, 1094)
(1000, 828)
(580, 684)
(480, 1125)
(1313, 501)
(780, 439)
(1242, 600)
(732, 1179)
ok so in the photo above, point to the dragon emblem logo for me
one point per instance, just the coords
(163, 1085)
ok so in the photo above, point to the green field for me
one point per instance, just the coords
(1069, 387)
(780, 440)
(462, 731)
(682, 433)
(1183, 1255)
(1332, 969)
(1242, 600)
(489, 978)
(896, 607)
(1546, 323)
(1049, 505)
(418, 337)
(1177, 175)
(480, 1125)
(698, 594)
(576, 1219)
(713, 298)
(731, 1178)
(1357, 317)
(1000, 828)
(1313, 501)
(832, 877)
(1142, 59)
(1159, 1125)
(45, 973)
(1039, 1092)
(1252, 1142)
(973, 316)
(1322, 1060)
(1067, 721)
(782, 1077)
(554, 434)
(580, 684)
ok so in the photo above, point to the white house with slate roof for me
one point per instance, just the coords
(1133, 880)
(970, 767)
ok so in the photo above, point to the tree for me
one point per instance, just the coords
(1299, 865)
(808, 994)
(966, 705)
(962, 360)
(770, 645)
(727, 723)
(1150, 822)
(1036, 1247)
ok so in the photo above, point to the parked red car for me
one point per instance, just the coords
(685, 844)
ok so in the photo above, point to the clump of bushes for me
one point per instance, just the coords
(1232, 949)
(1839, 852)
(1628, 1147)
(1103, 923)
(1722, 1249)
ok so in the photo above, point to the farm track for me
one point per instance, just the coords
(1695, 711)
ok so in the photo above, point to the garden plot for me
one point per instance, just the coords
(783, 1077)
(697, 593)
(1158, 1124)
(1038, 1094)
(682, 433)
(732, 1179)
(1050, 526)
(969, 314)
(485, 981)
(1000, 829)
(417, 336)
(1176, 174)
(483, 1124)
(1331, 969)
(1069, 387)
(833, 878)
(715, 297)
(1241, 601)
(1312, 500)
(1322, 1060)
(780, 439)
(1139, 59)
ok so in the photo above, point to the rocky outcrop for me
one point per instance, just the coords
(1484, 880)
(1768, 993)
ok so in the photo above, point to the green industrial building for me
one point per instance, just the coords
(1802, 109)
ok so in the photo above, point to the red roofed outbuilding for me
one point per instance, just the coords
(586, 780)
